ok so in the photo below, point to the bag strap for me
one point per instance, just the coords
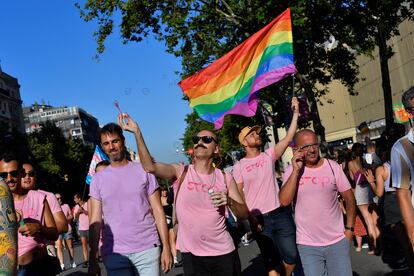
(183, 174)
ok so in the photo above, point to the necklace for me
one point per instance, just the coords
(211, 185)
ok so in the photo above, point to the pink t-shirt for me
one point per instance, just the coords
(260, 187)
(319, 220)
(67, 212)
(52, 201)
(83, 219)
(31, 210)
(202, 227)
(125, 193)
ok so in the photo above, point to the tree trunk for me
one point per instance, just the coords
(316, 120)
(385, 75)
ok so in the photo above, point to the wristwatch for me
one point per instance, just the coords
(349, 228)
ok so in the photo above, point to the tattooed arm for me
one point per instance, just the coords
(8, 232)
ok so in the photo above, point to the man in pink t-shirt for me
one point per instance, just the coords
(201, 196)
(272, 225)
(35, 219)
(314, 183)
(129, 200)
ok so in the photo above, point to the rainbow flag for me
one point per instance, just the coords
(230, 84)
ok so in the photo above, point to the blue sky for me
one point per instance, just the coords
(50, 49)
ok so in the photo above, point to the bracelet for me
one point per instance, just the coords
(349, 228)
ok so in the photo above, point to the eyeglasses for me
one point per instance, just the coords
(58, 198)
(14, 173)
(307, 147)
(205, 139)
(29, 174)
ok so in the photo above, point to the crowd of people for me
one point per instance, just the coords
(304, 224)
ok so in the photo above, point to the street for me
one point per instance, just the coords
(362, 263)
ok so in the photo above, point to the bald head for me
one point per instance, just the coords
(301, 133)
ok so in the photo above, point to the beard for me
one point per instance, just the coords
(117, 156)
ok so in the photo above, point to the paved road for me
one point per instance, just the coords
(362, 264)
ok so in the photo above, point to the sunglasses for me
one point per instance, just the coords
(30, 174)
(14, 173)
(205, 139)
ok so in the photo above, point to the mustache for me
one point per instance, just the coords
(200, 145)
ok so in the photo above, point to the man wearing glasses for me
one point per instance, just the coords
(313, 183)
(273, 227)
(402, 167)
(130, 201)
(202, 193)
(37, 225)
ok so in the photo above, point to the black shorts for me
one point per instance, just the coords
(169, 222)
(223, 265)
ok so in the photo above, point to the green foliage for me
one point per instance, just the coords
(52, 155)
(200, 31)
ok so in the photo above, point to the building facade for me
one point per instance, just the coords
(11, 114)
(74, 122)
(342, 118)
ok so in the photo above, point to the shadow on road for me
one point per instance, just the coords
(255, 267)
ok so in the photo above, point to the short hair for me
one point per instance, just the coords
(111, 128)
(8, 156)
(407, 97)
(302, 131)
(103, 163)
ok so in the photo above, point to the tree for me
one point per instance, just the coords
(62, 164)
(381, 19)
(201, 31)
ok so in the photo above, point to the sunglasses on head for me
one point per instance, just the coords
(14, 173)
(205, 139)
(30, 174)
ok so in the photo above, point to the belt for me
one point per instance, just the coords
(274, 212)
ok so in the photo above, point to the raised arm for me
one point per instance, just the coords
(282, 145)
(166, 171)
(8, 225)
